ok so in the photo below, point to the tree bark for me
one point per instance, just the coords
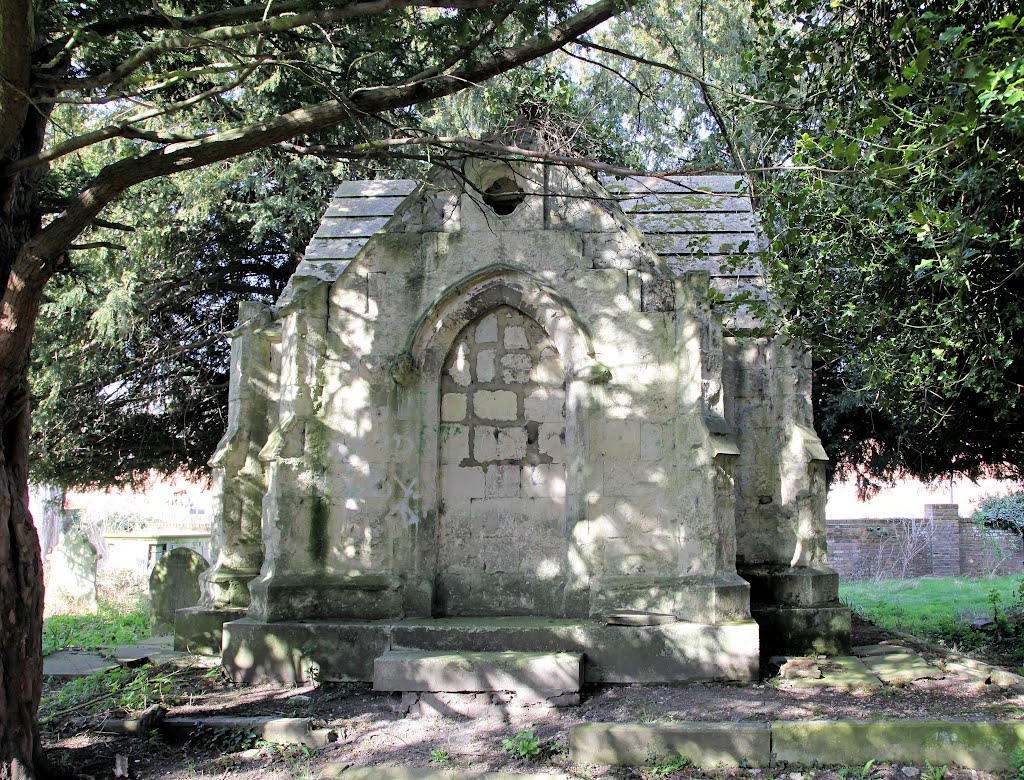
(21, 595)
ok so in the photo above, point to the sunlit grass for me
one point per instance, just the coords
(925, 606)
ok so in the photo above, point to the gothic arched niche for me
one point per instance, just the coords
(502, 544)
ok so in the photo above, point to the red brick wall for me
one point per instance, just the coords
(860, 549)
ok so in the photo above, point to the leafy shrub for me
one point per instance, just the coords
(1002, 511)
(524, 744)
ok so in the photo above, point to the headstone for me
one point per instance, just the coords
(174, 584)
(71, 576)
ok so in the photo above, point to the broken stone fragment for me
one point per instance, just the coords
(798, 668)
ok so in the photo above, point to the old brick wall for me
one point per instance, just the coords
(862, 548)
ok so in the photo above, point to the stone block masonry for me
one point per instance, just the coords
(468, 413)
(503, 498)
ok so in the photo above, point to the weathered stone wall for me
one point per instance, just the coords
(370, 510)
(866, 548)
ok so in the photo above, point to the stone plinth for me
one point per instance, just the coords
(345, 651)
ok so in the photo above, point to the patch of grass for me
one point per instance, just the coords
(927, 606)
(112, 625)
(1017, 764)
(116, 692)
(942, 608)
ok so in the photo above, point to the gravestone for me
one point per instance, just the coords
(71, 576)
(174, 584)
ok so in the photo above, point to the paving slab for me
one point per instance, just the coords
(704, 744)
(75, 663)
(157, 649)
(986, 745)
(900, 668)
(841, 673)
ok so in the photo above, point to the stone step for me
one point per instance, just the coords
(534, 678)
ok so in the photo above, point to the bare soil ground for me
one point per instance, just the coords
(373, 732)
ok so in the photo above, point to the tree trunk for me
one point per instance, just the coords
(23, 275)
(21, 599)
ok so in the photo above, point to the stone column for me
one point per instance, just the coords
(238, 478)
(794, 592)
(945, 522)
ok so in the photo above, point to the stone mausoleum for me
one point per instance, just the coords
(511, 410)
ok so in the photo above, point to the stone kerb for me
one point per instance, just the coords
(987, 745)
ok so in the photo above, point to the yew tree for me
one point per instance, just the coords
(164, 89)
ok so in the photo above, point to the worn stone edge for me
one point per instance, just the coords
(980, 756)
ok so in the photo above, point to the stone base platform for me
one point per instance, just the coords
(535, 676)
(293, 653)
(199, 629)
(819, 630)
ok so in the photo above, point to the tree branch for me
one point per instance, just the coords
(47, 245)
(689, 74)
(276, 23)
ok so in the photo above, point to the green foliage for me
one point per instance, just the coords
(131, 357)
(896, 123)
(227, 739)
(666, 768)
(942, 609)
(1002, 511)
(116, 692)
(523, 744)
(130, 362)
(111, 626)
(934, 772)
(439, 756)
(1017, 763)
(921, 606)
(863, 773)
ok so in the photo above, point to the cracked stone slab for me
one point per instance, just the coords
(842, 673)
(899, 668)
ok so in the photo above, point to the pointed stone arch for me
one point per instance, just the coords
(503, 459)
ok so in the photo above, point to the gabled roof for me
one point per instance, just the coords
(699, 223)
(693, 222)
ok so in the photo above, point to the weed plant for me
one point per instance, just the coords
(112, 625)
(523, 744)
(114, 692)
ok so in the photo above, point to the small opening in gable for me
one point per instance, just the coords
(504, 196)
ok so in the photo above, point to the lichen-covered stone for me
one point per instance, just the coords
(572, 431)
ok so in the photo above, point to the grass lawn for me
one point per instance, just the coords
(940, 608)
